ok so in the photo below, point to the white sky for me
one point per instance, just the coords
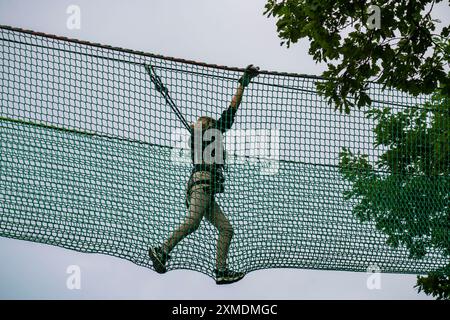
(233, 33)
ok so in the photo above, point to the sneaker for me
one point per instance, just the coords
(159, 259)
(227, 276)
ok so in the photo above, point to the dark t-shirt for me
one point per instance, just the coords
(224, 123)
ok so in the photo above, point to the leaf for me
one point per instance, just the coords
(365, 53)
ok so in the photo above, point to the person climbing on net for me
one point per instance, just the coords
(207, 179)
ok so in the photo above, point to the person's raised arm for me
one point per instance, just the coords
(227, 118)
(249, 73)
(237, 98)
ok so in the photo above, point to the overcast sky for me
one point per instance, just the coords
(233, 33)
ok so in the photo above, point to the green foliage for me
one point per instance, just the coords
(436, 283)
(403, 53)
(406, 191)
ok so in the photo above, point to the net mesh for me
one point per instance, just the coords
(94, 160)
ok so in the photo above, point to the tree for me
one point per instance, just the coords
(393, 43)
(406, 192)
(390, 42)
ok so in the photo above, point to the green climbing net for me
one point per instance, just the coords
(93, 159)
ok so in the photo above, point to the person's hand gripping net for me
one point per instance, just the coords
(249, 73)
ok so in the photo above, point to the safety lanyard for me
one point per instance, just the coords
(159, 86)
